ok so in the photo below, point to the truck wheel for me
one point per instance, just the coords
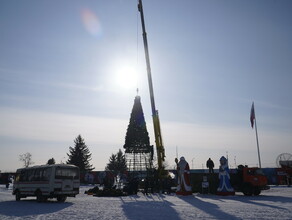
(61, 198)
(256, 191)
(247, 190)
(17, 196)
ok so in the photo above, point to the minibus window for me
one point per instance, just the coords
(67, 173)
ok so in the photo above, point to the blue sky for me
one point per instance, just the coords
(64, 69)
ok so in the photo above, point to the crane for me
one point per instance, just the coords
(156, 123)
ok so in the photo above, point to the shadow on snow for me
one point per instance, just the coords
(150, 209)
(163, 209)
(30, 207)
(255, 200)
(207, 207)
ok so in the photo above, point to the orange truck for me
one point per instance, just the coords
(249, 180)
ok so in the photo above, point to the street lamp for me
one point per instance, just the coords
(193, 163)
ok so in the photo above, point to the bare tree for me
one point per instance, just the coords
(26, 159)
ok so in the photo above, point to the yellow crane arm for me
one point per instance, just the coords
(155, 117)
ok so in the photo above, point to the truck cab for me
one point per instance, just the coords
(250, 180)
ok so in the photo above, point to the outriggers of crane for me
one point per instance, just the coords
(155, 117)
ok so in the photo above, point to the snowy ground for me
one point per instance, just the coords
(275, 203)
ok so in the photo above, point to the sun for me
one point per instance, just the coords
(126, 76)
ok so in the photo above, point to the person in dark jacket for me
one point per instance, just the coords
(210, 165)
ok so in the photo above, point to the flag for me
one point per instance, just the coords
(252, 115)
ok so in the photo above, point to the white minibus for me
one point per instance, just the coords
(47, 181)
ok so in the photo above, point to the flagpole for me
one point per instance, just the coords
(254, 121)
(256, 130)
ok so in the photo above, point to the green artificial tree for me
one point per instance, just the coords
(137, 137)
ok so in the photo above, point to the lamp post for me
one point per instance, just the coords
(193, 163)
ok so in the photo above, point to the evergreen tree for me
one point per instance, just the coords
(80, 155)
(137, 137)
(51, 161)
(117, 163)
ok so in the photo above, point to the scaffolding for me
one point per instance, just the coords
(138, 151)
(140, 162)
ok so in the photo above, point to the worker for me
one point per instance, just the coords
(210, 165)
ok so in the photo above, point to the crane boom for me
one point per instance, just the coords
(155, 117)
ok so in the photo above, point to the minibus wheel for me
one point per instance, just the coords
(39, 196)
(17, 196)
(61, 198)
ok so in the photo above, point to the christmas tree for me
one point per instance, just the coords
(137, 145)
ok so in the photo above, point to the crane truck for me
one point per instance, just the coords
(156, 122)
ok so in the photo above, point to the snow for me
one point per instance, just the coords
(275, 203)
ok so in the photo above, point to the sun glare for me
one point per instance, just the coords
(126, 76)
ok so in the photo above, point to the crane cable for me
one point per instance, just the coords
(137, 49)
